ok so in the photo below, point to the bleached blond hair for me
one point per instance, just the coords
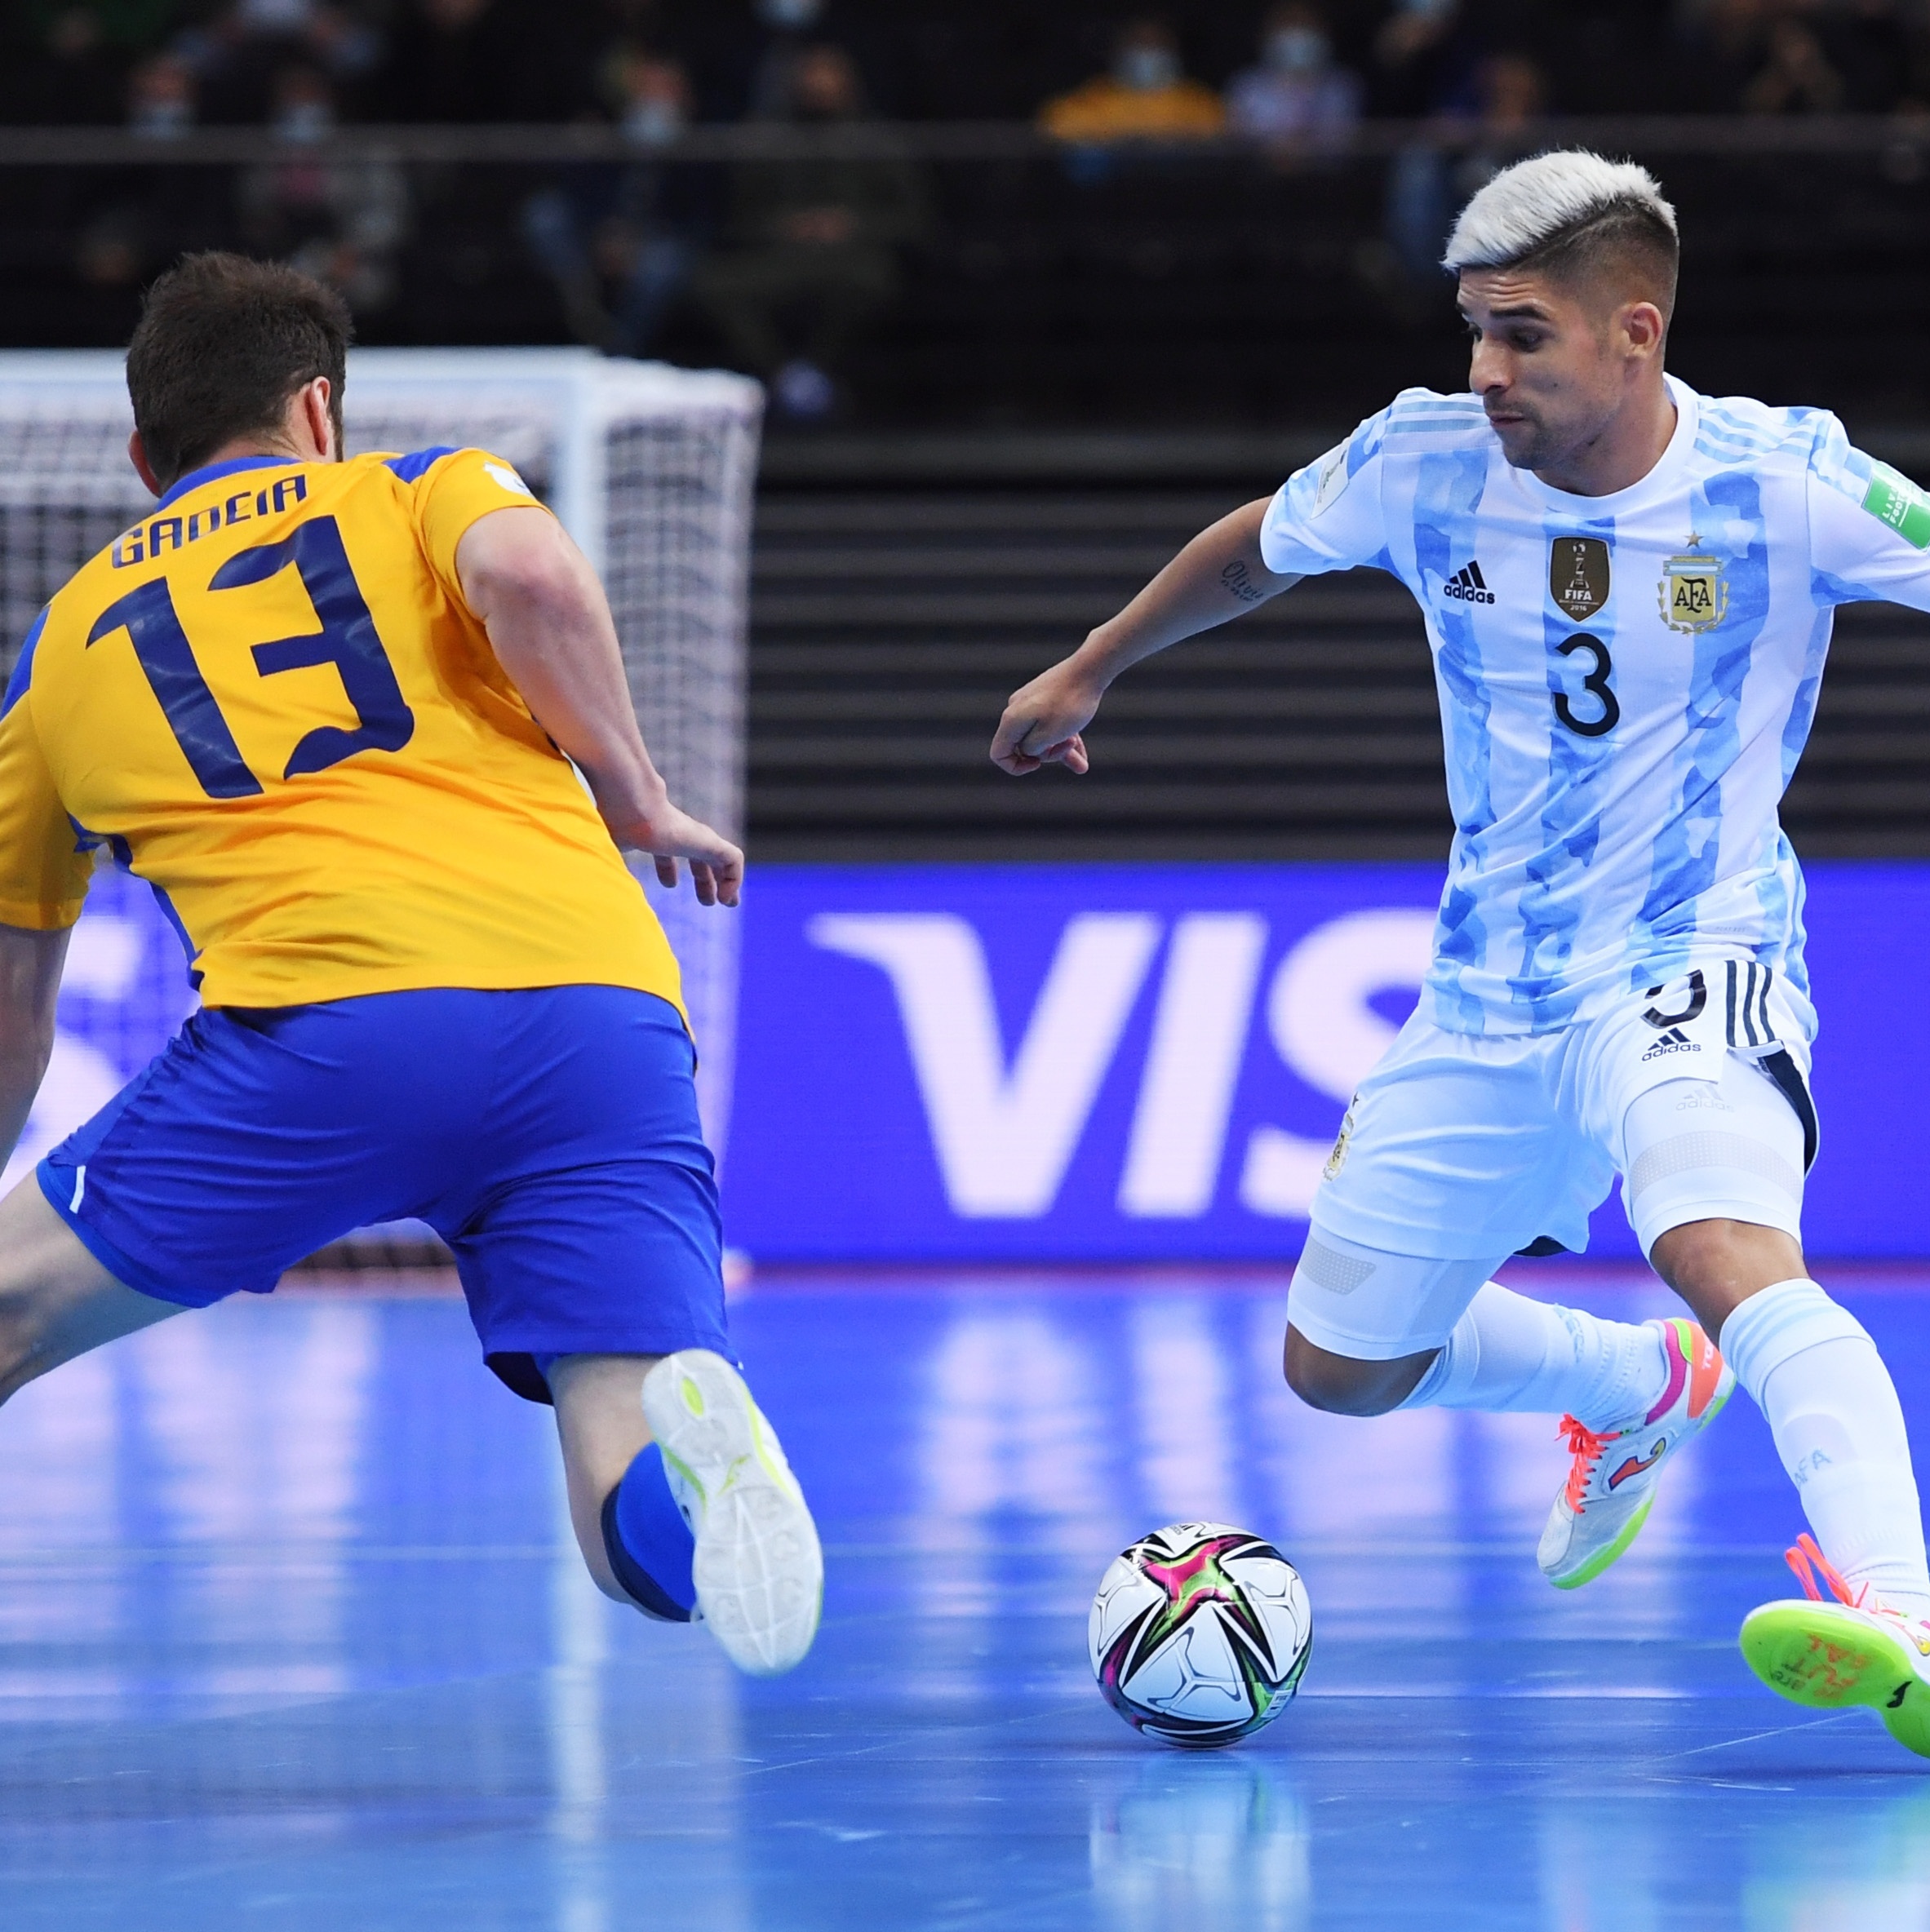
(1564, 210)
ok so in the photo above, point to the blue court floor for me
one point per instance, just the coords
(294, 1638)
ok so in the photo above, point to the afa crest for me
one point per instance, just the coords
(1693, 591)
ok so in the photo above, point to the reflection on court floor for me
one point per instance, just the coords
(294, 1637)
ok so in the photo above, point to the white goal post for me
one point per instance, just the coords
(650, 468)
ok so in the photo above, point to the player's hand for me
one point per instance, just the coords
(717, 866)
(1043, 721)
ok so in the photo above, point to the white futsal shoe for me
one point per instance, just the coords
(1612, 1477)
(758, 1569)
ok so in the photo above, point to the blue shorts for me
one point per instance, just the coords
(549, 1135)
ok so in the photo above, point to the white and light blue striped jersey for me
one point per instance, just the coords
(1625, 681)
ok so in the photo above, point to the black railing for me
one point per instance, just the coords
(1638, 136)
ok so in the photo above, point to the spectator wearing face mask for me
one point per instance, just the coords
(815, 246)
(619, 244)
(1295, 97)
(342, 222)
(1144, 96)
(239, 55)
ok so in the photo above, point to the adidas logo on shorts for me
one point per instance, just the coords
(1468, 585)
(1673, 1041)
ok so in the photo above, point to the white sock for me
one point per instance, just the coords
(1508, 1353)
(1832, 1408)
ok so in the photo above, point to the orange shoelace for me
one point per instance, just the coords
(1805, 1558)
(1586, 1448)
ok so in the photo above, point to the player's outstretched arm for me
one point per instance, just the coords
(30, 965)
(1219, 574)
(552, 631)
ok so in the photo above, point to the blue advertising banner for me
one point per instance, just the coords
(1103, 1063)
(124, 992)
(1095, 1062)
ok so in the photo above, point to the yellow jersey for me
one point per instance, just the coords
(269, 699)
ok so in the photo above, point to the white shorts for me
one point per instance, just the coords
(1460, 1151)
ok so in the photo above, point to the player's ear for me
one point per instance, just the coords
(1642, 324)
(311, 422)
(137, 454)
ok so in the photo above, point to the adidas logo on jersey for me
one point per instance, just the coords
(1673, 1041)
(1468, 585)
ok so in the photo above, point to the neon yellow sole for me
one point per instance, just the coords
(1601, 1558)
(1828, 1658)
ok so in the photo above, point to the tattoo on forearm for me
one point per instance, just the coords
(1239, 581)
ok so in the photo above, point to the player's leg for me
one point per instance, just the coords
(1505, 1352)
(1716, 1197)
(56, 1301)
(682, 1502)
(1723, 1228)
(1827, 1397)
(1453, 1156)
(601, 1431)
(586, 1229)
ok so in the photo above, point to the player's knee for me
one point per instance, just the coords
(1341, 1385)
(1715, 1264)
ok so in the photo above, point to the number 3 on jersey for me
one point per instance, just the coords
(1595, 685)
(347, 640)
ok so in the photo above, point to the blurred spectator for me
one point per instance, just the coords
(1425, 185)
(816, 247)
(1725, 44)
(1144, 96)
(162, 97)
(1424, 60)
(619, 243)
(1796, 78)
(236, 59)
(740, 53)
(147, 216)
(1513, 92)
(1296, 97)
(791, 26)
(340, 221)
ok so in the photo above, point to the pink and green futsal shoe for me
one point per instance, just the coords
(1611, 1484)
(1856, 1650)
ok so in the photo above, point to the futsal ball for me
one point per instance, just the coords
(1199, 1634)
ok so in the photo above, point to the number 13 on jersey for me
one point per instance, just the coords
(347, 640)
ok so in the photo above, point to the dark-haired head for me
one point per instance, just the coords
(222, 345)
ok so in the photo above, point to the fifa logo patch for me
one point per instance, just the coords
(1578, 575)
(1693, 591)
(1892, 498)
(1332, 479)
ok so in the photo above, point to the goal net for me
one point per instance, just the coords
(650, 468)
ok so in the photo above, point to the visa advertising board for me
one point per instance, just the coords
(1099, 1063)
(1122, 1063)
